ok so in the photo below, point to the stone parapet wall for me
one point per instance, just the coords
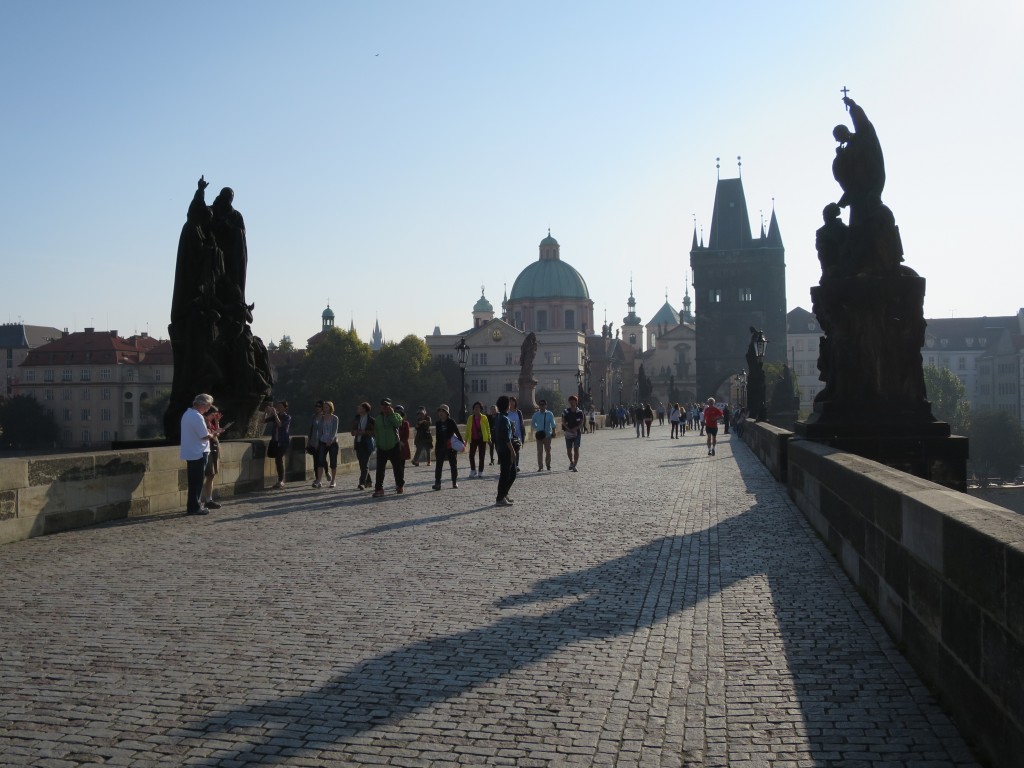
(770, 444)
(945, 573)
(47, 494)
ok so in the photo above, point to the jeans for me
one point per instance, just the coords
(394, 455)
(507, 475)
(195, 470)
(475, 447)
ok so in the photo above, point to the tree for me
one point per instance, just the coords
(997, 443)
(949, 398)
(25, 423)
(335, 369)
(555, 400)
(404, 372)
(286, 345)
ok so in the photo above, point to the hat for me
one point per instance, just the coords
(400, 409)
(422, 408)
(386, 401)
(444, 408)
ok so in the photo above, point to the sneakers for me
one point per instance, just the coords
(454, 484)
(540, 469)
(472, 474)
(198, 512)
(360, 487)
(509, 500)
(331, 484)
(400, 489)
(378, 493)
(316, 484)
(211, 504)
(572, 467)
(278, 485)
(436, 486)
(503, 503)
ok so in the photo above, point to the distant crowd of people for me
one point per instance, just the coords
(494, 433)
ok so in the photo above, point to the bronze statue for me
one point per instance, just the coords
(527, 353)
(858, 167)
(213, 346)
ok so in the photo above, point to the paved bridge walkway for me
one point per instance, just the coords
(658, 608)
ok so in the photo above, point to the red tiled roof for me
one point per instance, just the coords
(91, 347)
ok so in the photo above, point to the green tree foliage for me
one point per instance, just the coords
(286, 344)
(151, 414)
(404, 372)
(949, 398)
(772, 377)
(556, 400)
(997, 444)
(26, 424)
(334, 369)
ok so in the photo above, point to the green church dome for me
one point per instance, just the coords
(483, 305)
(328, 313)
(549, 278)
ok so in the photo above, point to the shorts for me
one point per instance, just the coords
(574, 441)
(713, 431)
(213, 464)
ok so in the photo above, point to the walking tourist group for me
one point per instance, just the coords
(494, 434)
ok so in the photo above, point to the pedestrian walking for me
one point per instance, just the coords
(423, 441)
(479, 428)
(363, 442)
(448, 450)
(648, 418)
(518, 426)
(492, 414)
(404, 432)
(638, 419)
(277, 415)
(711, 417)
(385, 432)
(543, 423)
(194, 450)
(572, 429)
(504, 444)
(592, 417)
(327, 447)
(726, 417)
(673, 420)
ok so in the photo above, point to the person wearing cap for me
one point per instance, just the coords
(385, 429)
(445, 429)
(543, 423)
(572, 428)
(195, 448)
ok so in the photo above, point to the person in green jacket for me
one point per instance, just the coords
(389, 447)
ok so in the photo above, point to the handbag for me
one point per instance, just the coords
(274, 450)
(456, 444)
(541, 435)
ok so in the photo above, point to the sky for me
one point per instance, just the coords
(391, 158)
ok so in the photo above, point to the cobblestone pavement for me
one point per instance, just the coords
(658, 608)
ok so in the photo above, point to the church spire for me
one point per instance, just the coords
(774, 236)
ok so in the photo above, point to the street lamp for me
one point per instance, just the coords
(741, 377)
(579, 384)
(620, 391)
(586, 379)
(760, 345)
(462, 348)
(601, 384)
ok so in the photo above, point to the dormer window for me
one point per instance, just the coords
(945, 343)
(970, 341)
(982, 341)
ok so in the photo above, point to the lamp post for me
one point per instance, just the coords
(462, 348)
(579, 384)
(601, 384)
(586, 380)
(620, 391)
(742, 379)
(758, 389)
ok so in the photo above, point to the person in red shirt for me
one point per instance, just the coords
(711, 417)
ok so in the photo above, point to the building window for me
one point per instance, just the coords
(86, 393)
(156, 375)
(129, 374)
(483, 358)
(105, 435)
(553, 358)
(519, 320)
(715, 295)
(104, 414)
(570, 319)
(509, 357)
(129, 413)
(86, 437)
(48, 376)
(556, 385)
(86, 415)
(745, 294)
(86, 374)
(66, 413)
(65, 435)
(542, 320)
(48, 394)
(104, 394)
(65, 394)
(510, 387)
(104, 374)
(799, 345)
(962, 363)
(30, 376)
(474, 385)
(67, 375)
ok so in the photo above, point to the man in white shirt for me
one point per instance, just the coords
(195, 448)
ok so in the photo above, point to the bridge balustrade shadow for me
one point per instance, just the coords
(836, 677)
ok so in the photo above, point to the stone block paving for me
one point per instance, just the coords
(658, 608)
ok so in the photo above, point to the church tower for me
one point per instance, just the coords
(327, 318)
(377, 339)
(739, 282)
(483, 310)
(632, 330)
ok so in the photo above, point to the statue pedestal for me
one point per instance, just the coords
(874, 403)
(527, 396)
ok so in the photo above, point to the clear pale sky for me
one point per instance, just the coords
(392, 157)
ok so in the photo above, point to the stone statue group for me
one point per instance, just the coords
(214, 349)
